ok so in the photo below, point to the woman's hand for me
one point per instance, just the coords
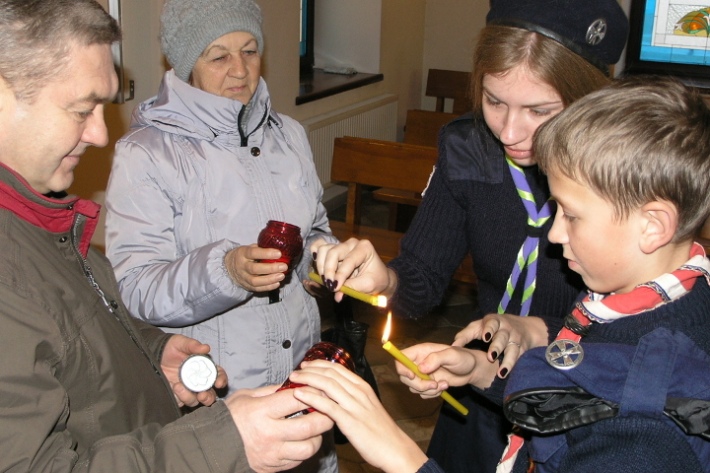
(351, 403)
(244, 267)
(353, 263)
(447, 366)
(507, 333)
(177, 349)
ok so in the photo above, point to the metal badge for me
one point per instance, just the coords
(596, 32)
(564, 354)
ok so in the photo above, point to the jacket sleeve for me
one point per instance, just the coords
(431, 250)
(156, 285)
(35, 409)
(431, 466)
(633, 444)
(320, 228)
(205, 440)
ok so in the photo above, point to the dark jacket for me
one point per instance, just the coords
(80, 382)
(471, 206)
(638, 402)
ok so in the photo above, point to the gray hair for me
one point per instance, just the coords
(36, 37)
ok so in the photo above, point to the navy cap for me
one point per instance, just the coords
(595, 29)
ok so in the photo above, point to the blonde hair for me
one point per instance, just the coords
(638, 140)
(501, 48)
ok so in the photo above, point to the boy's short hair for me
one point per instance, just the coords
(637, 140)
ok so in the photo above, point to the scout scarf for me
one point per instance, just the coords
(527, 256)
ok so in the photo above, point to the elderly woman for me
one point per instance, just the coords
(206, 164)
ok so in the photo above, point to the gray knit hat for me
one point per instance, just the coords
(189, 26)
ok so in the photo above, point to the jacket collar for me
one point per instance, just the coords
(186, 110)
(52, 215)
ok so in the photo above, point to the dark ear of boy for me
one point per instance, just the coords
(660, 221)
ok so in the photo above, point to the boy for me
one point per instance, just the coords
(626, 382)
(630, 171)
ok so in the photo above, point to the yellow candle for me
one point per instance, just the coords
(402, 358)
(377, 301)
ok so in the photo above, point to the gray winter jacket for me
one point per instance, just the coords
(188, 185)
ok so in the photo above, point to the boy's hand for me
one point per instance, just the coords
(350, 401)
(447, 366)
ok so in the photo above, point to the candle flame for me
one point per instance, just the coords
(388, 328)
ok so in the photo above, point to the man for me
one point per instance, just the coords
(83, 386)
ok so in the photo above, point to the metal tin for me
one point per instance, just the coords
(198, 373)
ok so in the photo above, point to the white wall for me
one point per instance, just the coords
(450, 31)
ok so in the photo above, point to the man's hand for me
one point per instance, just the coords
(177, 349)
(272, 442)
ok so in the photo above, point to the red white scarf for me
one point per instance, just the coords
(605, 308)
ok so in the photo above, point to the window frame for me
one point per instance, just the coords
(307, 42)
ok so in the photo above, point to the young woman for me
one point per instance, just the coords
(486, 197)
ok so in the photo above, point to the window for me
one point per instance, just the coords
(347, 35)
(306, 40)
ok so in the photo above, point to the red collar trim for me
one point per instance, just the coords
(52, 215)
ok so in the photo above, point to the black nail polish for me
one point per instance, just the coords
(504, 372)
(494, 354)
(329, 284)
(487, 337)
(315, 255)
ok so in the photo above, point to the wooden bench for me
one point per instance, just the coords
(421, 128)
(364, 163)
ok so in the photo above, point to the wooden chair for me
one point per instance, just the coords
(367, 162)
(422, 126)
(362, 162)
(445, 84)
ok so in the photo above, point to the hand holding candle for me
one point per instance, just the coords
(377, 301)
(402, 358)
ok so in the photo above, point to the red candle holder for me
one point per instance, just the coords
(320, 351)
(284, 237)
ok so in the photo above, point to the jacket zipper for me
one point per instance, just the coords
(110, 305)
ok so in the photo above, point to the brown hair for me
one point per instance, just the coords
(37, 35)
(638, 140)
(501, 48)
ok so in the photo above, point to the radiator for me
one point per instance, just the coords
(375, 118)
